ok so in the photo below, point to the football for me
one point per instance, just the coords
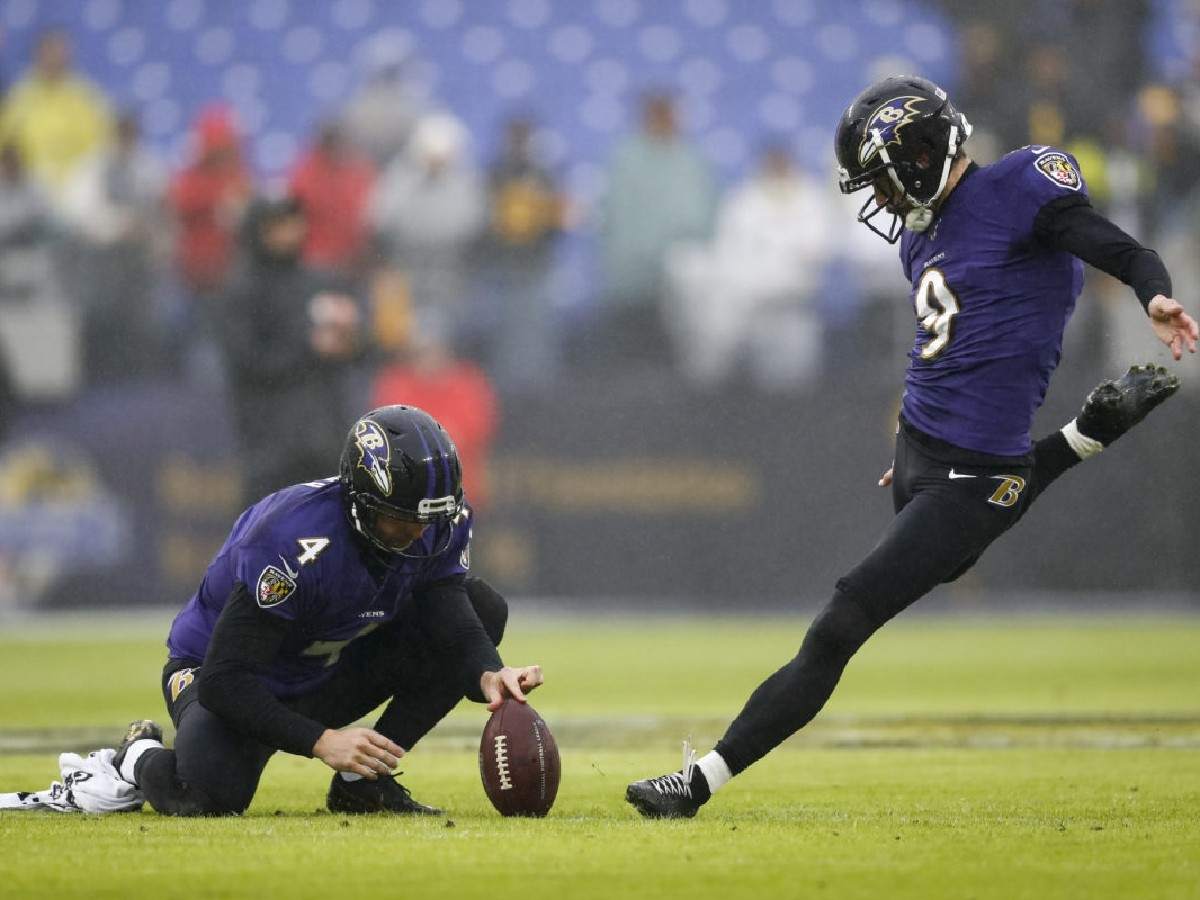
(518, 761)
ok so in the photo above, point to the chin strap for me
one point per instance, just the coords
(356, 521)
(920, 217)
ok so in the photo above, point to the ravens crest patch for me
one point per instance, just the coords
(1059, 169)
(274, 586)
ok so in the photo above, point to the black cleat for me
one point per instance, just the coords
(1113, 407)
(383, 795)
(139, 730)
(666, 797)
(676, 795)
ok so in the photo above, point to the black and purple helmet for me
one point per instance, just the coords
(903, 129)
(399, 461)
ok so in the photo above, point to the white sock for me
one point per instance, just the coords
(133, 754)
(716, 772)
(1083, 445)
(350, 776)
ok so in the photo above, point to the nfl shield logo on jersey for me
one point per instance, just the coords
(274, 586)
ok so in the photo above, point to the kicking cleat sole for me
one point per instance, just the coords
(1114, 407)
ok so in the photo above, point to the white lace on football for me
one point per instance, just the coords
(502, 770)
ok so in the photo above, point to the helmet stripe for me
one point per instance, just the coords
(438, 488)
(430, 477)
(444, 446)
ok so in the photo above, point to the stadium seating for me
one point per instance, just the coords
(743, 71)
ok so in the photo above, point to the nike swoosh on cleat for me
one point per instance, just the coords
(954, 475)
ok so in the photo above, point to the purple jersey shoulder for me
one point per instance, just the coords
(300, 560)
(1032, 176)
(1010, 193)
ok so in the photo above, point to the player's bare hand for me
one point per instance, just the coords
(359, 750)
(1173, 326)
(509, 682)
(886, 478)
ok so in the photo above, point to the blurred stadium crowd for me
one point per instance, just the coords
(418, 226)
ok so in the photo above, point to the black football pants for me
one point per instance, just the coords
(214, 770)
(950, 505)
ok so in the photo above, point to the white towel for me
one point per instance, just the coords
(89, 784)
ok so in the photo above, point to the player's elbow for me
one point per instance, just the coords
(489, 606)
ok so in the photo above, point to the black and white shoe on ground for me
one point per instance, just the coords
(676, 795)
(383, 795)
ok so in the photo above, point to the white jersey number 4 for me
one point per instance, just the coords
(312, 548)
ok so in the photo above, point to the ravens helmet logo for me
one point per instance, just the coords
(888, 119)
(374, 454)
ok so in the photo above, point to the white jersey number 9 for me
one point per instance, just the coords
(936, 306)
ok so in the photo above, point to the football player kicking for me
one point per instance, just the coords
(327, 600)
(992, 253)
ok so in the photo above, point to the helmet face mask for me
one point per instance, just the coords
(902, 136)
(378, 524)
(399, 467)
(872, 208)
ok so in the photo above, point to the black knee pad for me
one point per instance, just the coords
(489, 606)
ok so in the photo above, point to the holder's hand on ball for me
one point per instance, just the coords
(509, 682)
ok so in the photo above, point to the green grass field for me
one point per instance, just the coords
(1031, 757)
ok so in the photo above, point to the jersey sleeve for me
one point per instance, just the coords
(274, 583)
(244, 640)
(1037, 176)
(1076, 228)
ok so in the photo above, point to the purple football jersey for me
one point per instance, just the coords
(296, 553)
(991, 304)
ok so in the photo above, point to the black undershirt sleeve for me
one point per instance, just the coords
(1073, 225)
(454, 629)
(246, 638)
